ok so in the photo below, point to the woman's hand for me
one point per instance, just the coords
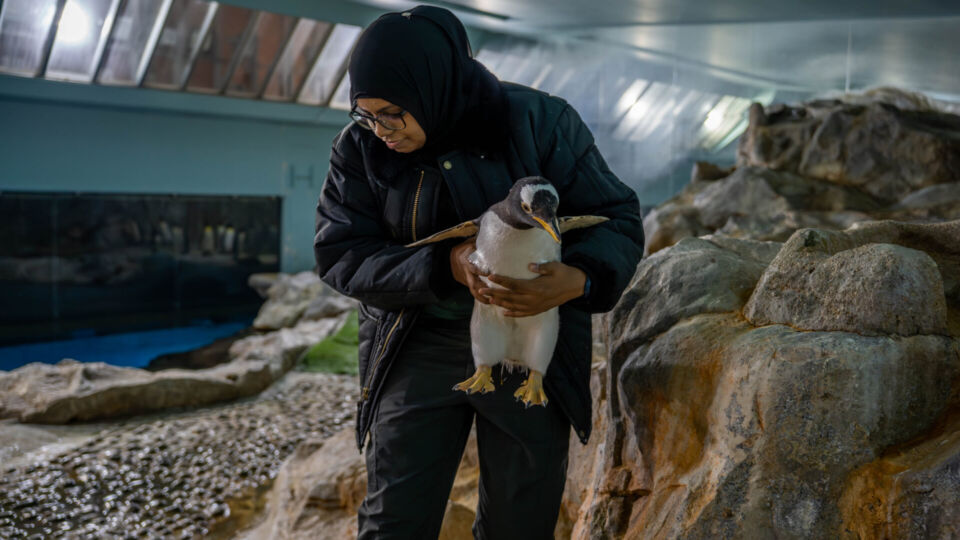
(556, 284)
(464, 271)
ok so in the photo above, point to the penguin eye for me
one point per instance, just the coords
(525, 206)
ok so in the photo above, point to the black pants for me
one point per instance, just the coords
(419, 433)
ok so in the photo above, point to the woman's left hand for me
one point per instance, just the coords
(556, 284)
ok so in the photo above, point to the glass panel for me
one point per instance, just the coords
(136, 29)
(24, 27)
(341, 98)
(81, 35)
(260, 53)
(106, 262)
(299, 55)
(212, 67)
(179, 42)
(28, 262)
(330, 65)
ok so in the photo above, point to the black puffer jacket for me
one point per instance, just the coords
(364, 220)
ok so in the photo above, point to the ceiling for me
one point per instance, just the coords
(661, 83)
(813, 45)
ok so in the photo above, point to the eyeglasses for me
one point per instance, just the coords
(391, 121)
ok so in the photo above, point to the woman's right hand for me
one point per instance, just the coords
(464, 271)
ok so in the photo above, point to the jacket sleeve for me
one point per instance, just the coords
(356, 255)
(608, 253)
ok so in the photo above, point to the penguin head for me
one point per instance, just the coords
(533, 202)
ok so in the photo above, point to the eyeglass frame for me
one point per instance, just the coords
(358, 117)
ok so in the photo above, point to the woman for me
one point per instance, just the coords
(437, 139)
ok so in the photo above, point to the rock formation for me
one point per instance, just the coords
(300, 310)
(320, 487)
(824, 164)
(291, 298)
(803, 389)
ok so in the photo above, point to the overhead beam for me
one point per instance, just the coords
(13, 88)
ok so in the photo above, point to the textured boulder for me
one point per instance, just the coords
(823, 164)
(318, 490)
(875, 289)
(71, 390)
(291, 298)
(757, 203)
(751, 432)
(802, 390)
(878, 147)
(917, 480)
(694, 276)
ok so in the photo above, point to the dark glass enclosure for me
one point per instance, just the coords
(79, 264)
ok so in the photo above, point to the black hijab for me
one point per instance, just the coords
(420, 60)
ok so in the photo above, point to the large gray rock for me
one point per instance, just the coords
(917, 482)
(876, 289)
(77, 391)
(720, 424)
(757, 203)
(318, 490)
(823, 164)
(752, 432)
(877, 147)
(695, 276)
(287, 299)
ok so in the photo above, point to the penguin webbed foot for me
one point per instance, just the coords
(481, 381)
(531, 391)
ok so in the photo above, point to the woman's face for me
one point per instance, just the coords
(403, 140)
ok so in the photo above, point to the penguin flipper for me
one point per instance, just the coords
(568, 223)
(463, 230)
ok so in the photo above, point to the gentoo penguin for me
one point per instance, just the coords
(511, 234)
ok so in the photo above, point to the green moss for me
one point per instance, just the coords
(337, 353)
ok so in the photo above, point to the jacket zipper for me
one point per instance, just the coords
(416, 203)
(365, 393)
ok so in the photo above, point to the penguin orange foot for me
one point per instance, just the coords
(531, 391)
(481, 382)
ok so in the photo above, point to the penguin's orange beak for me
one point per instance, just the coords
(552, 228)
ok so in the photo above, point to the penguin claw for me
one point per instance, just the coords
(531, 391)
(481, 381)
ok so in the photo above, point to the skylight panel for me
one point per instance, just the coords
(185, 29)
(330, 66)
(341, 98)
(219, 50)
(270, 33)
(135, 33)
(80, 39)
(297, 58)
(25, 26)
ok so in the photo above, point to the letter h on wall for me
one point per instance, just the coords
(293, 177)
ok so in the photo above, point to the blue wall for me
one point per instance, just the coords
(66, 137)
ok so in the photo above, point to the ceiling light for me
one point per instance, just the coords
(714, 119)
(74, 27)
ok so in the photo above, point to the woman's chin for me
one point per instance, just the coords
(401, 148)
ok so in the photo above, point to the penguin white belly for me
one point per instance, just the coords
(524, 341)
